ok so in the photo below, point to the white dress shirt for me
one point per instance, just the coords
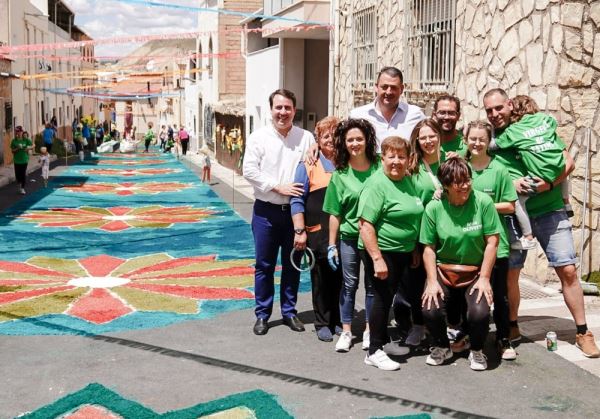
(402, 123)
(271, 159)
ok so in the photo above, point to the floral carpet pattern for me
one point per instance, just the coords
(127, 188)
(129, 172)
(116, 218)
(91, 256)
(98, 402)
(129, 162)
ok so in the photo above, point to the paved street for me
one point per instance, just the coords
(141, 283)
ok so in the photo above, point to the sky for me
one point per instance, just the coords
(110, 18)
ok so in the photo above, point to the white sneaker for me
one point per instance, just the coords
(524, 243)
(366, 340)
(478, 361)
(380, 360)
(507, 352)
(416, 334)
(438, 355)
(22, 191)
(344, 342)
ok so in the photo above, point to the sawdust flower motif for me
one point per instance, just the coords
(101, 289)
(116, 219)
(129, 172)
(127, 188)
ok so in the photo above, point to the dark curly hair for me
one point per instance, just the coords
(342, 156)
(454, 170)
(417, 153)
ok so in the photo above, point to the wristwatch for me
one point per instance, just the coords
(299, 230)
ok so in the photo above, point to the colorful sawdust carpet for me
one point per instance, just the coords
(98, 402)
(122, 255)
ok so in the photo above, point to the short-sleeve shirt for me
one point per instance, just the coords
(458, 232)
(456, 145)
(48, 135)
(21, 156)
(401, 124)
(341, 198)
(395, 209)
(534, 139)
(423, 181)
(495, 182)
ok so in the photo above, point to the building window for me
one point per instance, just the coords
(364, 54)
(429, 56)
(210, 58)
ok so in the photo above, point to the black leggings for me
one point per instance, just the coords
(499, 288)
(147, 144)
(478, 316)
(21, 173)
(384, 291)
(407, 312)
(326, 286)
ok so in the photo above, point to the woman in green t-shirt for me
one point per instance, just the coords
(390, 211)
(20, 147)
(492, 177)
(355, 161)
(426, 158)
(460, 234)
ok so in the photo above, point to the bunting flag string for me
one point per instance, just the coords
(221, 11)
(65, 58)
(7, 49)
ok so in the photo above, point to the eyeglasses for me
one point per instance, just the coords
(446, 113)
(460, 185)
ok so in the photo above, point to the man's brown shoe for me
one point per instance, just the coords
(587, 344)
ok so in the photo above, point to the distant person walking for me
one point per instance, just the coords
(148, 137)
(48, 136)
(20, 146)
(206, 167)
(184, 140)
(44, 159)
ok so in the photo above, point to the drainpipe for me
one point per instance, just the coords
(333, 53)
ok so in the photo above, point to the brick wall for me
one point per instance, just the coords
(232, 71)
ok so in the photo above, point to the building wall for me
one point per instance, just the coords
(548, 49)
(316, 65)
(389, 47)
(28, 95)
(263, 77)
(232, 71)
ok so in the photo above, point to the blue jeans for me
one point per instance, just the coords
(553, 232)
(350, 261)
(273, 229)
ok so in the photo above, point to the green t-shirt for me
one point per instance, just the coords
(456, 145)
(495, 181)
(21, 156)
(458, 233)
(534, 139)
(149, 135)
(395, 210)
(341, 198)
(423, 181)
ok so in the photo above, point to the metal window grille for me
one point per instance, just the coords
(429, 56)
(364, 53)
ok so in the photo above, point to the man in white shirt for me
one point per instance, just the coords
(388, 115)
(272, 155)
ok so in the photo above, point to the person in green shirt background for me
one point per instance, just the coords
(462, 228)
(390, 211)
(551, 227)
(20, 147)
(355, 161)
(446, 111)
(492, 178)
(148, 137)
(426, 158)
